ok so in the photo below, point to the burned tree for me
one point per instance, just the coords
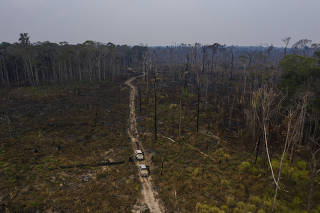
(286, 42)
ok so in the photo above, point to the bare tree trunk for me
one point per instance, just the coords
(17, 74)
(299, 128)
(212, 66)
(5, 73)
(257, 149)
(198, 107)
(311, 187)
(268, 155)
(139, 92)
(231, 65)
(231, 111)
(281, 161)
(155, 109)
(161, 172)
(207, 88)
(180, 117)
(314, 173)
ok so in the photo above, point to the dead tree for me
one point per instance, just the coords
(302, 45)
(231, 65)
(139, 93)
(286, 144)
(155, 105)
(315, 171)
(314, 147)
(286, 42)
(266, 104)
(180, 117)
(204, 57)
(162, 164)
(299, 126)
(198, 103)
(197, 73)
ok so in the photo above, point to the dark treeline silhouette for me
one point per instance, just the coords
(26, 63)
(217, 52)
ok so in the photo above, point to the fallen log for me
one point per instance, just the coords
(106, 163)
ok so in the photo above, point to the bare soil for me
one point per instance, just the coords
(149, 195)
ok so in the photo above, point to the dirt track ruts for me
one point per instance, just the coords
(147, 191)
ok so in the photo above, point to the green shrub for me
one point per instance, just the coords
(195, 172)
(275, 164)
(254, 170)
(244, 208)
(241, 205)
(302, 165)
(317, 210)
(300, 175)
(230, 201)
(137, 187)
(224, 182)
(244, 166)
(226, 157)
(204, 208)
(219, 153)
(282, 207)
(237, 210)
(267, 203)
(250, 207)
(296, 203)
(259, 160)
(173, 106)
(225, 208)
(255, 200)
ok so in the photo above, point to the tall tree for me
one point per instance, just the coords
(286, 42)
(24, 39)
(302, 45)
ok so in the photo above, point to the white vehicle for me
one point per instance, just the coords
(139, 154)
(144, 171)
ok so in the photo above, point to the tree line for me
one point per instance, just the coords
(24, 63)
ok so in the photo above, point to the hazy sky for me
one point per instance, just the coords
(161, 22)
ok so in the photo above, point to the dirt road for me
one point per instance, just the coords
(148, 193)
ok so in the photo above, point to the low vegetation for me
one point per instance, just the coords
(216, 169)
(53, 139)
(231, 182)
(227, 129)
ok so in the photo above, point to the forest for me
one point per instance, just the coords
(224, 128)
(41, 63)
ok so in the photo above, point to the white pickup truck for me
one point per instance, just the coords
(139, 155)
(144, 171)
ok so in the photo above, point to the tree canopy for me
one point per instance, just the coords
(301, 75)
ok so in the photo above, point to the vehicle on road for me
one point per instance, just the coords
(144, 171)
(139, 155)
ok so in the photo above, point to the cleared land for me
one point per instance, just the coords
(46, 130)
